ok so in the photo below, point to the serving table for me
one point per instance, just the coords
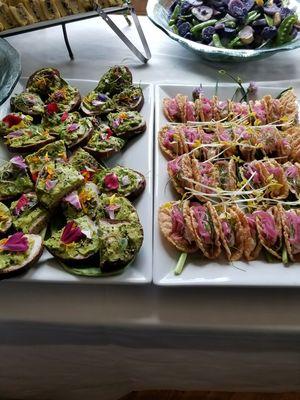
(100, 342)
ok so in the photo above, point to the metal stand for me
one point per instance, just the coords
(71, 55)
(144, 58)
(104, 14)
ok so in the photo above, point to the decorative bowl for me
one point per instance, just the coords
(157, 11)
(10, 69)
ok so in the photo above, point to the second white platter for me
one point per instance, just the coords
(200, 272)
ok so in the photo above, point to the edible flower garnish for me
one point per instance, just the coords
(88, 173)
(71, 233)
(111, 210)
(73, 199)
(16, 243)
(111, 181)
(15, 134)
(125, 180)
(12, 120)
(51, 108)
(73, 127)
(19, 162)
(64, 116)
(21, 204)
(50, 184)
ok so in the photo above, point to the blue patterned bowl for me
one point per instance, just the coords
(157, 11)
(10, 69)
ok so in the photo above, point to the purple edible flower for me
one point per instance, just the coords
(50, 184)
(73, 127)
(73, 199)
(19, 162)
(17, 243)
(252, 88)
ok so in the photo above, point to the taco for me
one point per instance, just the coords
(278, 187)
(205, 177)
(174, 228)
(171, 141)
(269, 229)
(292, 174)
(202, 221)
(252, 245)
(290, 220)
(180, 171)
(226, 175)
(232, 233)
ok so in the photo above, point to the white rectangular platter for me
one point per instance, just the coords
(138, 155)
(200, 272)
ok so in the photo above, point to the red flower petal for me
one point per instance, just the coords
(64, 116)
(51, 108)
(12, 120)
(21, 204)
(16, 243)
(111, 181)
(109, 133)
(71, 233)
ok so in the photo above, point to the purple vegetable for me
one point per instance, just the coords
(184, 28)
(207, 34)
(269, 32)
(271, 10)
(202, 13)
(237, 9)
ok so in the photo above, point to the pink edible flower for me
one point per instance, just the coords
(19, 162)
(111, 210)
(15, 134)
(50, 184)
(71, 233)
(16, 243)
(21, 204)
(73, 199)
(73, 127)
(252, 88)
(111, 181)
(268, 224)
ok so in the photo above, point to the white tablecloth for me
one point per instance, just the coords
(65, 341)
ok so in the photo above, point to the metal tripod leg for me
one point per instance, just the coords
(71, 55)
(128, 43)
